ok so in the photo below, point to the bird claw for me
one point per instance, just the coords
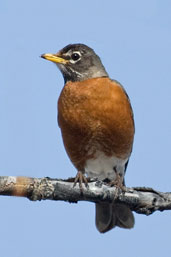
(81, 179)
(118, 183)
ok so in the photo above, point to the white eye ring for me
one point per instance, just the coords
(75, 57)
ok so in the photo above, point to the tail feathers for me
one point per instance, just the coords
(124, 216)
(103, 216)
(110, 215)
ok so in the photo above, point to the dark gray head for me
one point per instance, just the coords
(77, 62)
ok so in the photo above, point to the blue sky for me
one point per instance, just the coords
(133, 39)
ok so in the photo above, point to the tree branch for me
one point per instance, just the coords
(140, 199)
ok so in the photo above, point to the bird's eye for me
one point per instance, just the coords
(75, 56)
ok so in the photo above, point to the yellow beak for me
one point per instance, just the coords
(54, 58)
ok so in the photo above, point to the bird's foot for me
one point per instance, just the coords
(81, 179)
(118, 183)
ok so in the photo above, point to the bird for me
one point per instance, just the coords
(97, 126)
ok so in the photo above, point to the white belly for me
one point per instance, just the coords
(102, 167)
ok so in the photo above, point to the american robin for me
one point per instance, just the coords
(96, 121)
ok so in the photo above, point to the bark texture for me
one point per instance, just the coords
(140, 199)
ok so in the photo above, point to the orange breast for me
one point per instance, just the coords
(95, 115)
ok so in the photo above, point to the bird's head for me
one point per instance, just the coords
(77, 62)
